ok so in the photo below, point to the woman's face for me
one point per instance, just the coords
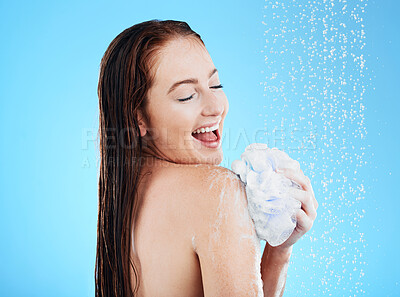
(185, 98)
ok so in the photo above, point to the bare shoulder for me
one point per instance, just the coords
(214, 188)
(224, 236)
(204, 194)
(217, 199)
(210, 210)
(193, 191)
(205, 188)
(206, 185)
(209, 178)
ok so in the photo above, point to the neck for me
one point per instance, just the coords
(152, 157)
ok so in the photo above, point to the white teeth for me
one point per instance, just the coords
(207, 129)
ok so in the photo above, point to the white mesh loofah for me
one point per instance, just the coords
(270, 205)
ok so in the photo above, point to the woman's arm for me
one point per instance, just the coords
(275, 260)
(224, 237)
(274, 266)
(225, 240)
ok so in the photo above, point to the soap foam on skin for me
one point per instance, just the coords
(270, 204)
(225, 208)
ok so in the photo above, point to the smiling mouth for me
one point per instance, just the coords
(209, 139)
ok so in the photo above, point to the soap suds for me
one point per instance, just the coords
(194, 244)
(224, 210)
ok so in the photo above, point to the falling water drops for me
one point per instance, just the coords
(315, 77)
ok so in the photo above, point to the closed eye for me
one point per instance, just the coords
(185, 99)
(214, 87)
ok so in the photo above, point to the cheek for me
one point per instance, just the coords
(226, 105)
(175, 124)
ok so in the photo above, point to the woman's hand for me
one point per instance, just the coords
(275, 260)
(307, 213)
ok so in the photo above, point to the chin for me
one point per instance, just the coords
(214, 159)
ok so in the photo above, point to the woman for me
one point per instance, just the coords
(171, 222)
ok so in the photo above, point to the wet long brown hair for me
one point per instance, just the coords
(125, 78)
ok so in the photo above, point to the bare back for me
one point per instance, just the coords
(172, 232)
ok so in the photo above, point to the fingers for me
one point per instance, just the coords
(315, 202)
(307, 201)
(304, 223)
(299, 177)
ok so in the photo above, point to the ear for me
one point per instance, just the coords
(142, 124)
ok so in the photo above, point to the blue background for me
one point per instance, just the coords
(50, 55)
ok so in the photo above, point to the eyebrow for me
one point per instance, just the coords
(188, 81)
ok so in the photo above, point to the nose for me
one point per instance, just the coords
(213, 104)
